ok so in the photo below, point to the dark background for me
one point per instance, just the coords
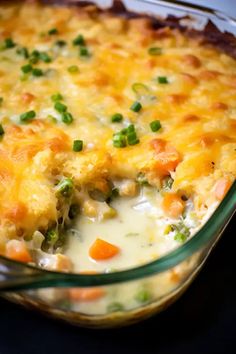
(203, 321)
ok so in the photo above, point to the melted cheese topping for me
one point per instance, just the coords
(196, 108)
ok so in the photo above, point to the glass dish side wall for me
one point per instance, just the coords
(125, 303)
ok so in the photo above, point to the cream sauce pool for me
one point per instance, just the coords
(138, 230)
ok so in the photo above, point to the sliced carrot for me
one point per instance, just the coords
(167, 162)
(167, 157)
(86, 294)
(101, 250)
(17, 250)
(17, 212)
(173, 205)
(222, 187)
(27, 97)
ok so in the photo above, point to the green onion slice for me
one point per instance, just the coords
(140, 89)
(155, 51)
(136, 107)
(67, 118)
(60, 107)
(162, 80)
(27, 116)
(56, 97)
(78, 145)
(37, 72)
(79, 40)
(155, 125)
(65, 187)
(117, 118)
(53, 31)
(26, 68)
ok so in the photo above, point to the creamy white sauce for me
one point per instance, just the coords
(138, 230)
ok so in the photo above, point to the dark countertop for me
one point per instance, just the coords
(201, 322)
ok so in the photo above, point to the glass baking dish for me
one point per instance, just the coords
(46, 290)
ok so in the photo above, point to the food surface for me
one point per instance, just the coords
(117, 137)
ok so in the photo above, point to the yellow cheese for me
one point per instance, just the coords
(196, 108)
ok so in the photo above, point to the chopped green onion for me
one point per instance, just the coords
(60, 107)
(65, 187)
(23, 51)
(79, 40)
(140, 89)
(35, 53)
(128, 134)
(67, 118)
(53, 31)
(27, 116)
(8, 42)
(136, 107)
(37, 72)
(115, 307)
(60, 43)
(26, 68)
(162, 80)
(142, 179)
(116, 118)
(132, 138)
(181, 238)
(182, 232)
(73, 69)
(74, 210)
(1, 130)
(130, 129)
(143, 296)
(155, 51)
(84, 52)
(51, 237)
(45, 57)
(119, 140)
(56, 97)
(78, 145)
(167, 183)
(155, 125)
(34, 57)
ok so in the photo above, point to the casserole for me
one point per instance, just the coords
(181, 265)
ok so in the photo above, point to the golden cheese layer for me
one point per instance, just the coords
(196, 109)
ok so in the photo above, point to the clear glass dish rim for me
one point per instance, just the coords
(42, 278)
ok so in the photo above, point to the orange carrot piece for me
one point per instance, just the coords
(16, 212)
(167, 157)
(17, 250)
(86, 294)
(222, 187)
(173, 205)
(101, 250)
(166, 162)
